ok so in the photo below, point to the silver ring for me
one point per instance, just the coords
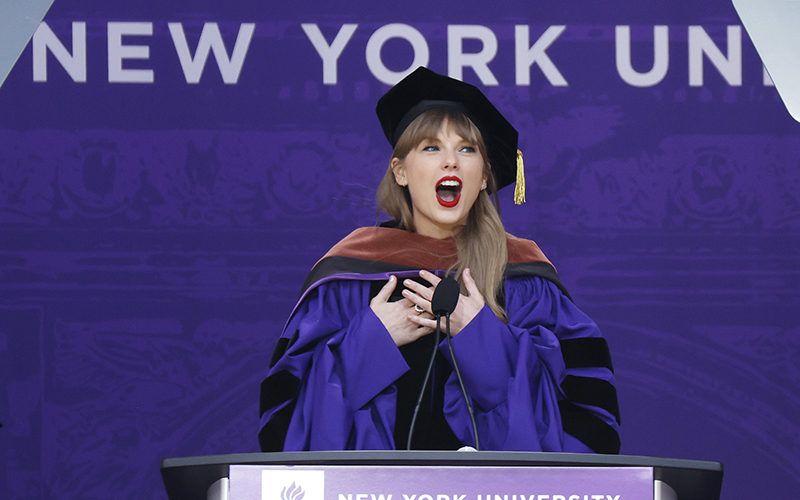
(418, 309)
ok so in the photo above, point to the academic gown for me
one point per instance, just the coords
(543, 381)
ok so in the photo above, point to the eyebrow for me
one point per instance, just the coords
(429, 139)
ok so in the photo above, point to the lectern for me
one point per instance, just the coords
(436, 475)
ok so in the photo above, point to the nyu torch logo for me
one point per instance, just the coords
(292, 484)
(293, 492)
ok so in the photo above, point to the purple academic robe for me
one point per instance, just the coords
(541, 382)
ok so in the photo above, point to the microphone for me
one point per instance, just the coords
(445, 297)
(443, 303)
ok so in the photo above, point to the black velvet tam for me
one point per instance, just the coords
(424, 89)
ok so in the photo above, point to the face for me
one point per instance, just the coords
(444, 176)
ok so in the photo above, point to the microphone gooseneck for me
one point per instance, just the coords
(463, 389)
(443, 303)
(424, 384)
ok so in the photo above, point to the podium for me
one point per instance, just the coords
(216, 477)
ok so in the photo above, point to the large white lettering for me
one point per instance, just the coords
(211, 40)
(329, 53)
(457, 60)
(660, 57)
(468, 46)
(386, 33)
(730, 67)
(117, 52)
(526, 57)
(74, 64)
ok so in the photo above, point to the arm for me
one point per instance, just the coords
(529, 390)
(332, 387)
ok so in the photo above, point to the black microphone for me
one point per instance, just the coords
(445, 297)
(443, 303)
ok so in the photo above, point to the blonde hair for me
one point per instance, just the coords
(481, 242)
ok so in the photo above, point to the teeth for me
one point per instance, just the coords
(454, 184)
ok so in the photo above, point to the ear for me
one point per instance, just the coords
(484, 184)
(399, 172)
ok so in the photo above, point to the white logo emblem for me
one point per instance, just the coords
(292, 485)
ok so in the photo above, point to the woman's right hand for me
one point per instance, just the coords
(395, 316)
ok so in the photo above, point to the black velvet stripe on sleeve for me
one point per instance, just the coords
(277, 389)
(280, 349)
(586, 352)
(588, 428)
(272, 436)
(592, 392)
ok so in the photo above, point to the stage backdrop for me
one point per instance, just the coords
(169, 172)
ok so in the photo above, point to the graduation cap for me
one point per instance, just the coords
(424, 89)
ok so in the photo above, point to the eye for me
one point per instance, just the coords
(469, 149)
(430, 147)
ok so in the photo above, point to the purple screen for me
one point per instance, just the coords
(170, 171)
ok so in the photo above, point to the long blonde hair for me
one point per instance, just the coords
(481, 242)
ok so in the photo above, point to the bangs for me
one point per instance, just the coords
(427, 125)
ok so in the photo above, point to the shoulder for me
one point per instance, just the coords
(366, 242)
(527, 261)
(522, 250)
(372, 252)
(368, 254)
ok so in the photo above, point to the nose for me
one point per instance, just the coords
(450, 160)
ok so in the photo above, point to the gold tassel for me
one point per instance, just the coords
(519, 190)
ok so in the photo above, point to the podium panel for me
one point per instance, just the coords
(377, 482)
(421, 475)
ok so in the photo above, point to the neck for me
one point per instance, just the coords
(434, 231)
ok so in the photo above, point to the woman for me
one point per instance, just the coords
(348, 368)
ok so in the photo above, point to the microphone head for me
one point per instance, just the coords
(445, 297)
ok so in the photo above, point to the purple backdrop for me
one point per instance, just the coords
(154, 232)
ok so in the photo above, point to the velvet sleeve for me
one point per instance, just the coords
(339, 367)
(529, 389)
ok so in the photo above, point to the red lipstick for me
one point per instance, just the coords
(448, 191)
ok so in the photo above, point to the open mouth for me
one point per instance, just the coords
(448, 191)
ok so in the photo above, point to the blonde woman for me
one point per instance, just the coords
(349, 368)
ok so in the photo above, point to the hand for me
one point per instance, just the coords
(399, 318)
(467, 308)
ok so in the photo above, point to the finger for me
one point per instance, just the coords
(423, 321)
(415, 299)
(420, 289)
(386, 291)
(470, 285)
(429, 277)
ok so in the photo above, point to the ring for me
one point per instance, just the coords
(418, 309)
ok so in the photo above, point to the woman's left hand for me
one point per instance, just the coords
(467, 308)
